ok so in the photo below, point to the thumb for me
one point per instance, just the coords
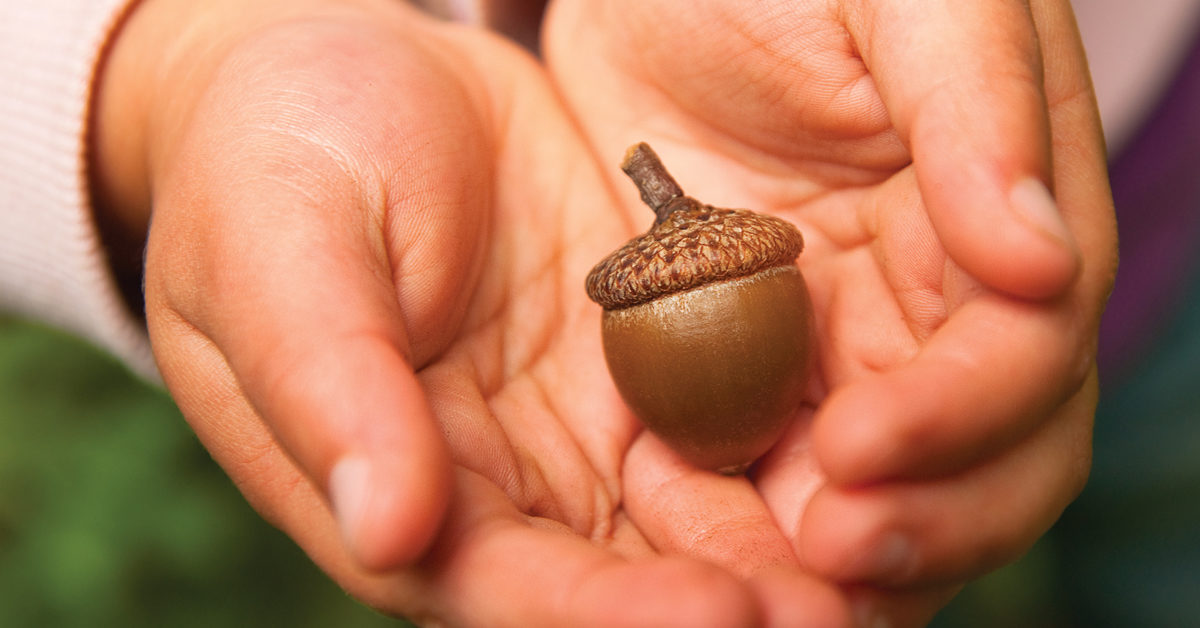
(276, 304)
(963, 84)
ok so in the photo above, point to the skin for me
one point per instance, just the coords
(949, 436)
(386, 344)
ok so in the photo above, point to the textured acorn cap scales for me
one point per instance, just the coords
(707, 323)
(690, 243)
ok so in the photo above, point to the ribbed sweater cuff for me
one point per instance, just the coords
(52, 265)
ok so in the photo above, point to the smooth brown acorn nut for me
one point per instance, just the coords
(707, 323)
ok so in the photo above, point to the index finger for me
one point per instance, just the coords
(963, 83)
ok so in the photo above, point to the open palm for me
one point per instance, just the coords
(364, 287)
(956, 360)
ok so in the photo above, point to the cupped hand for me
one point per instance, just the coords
(945, 164)
(368, 234)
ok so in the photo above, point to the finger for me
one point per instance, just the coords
(787, 479)
(495, 569)
(899, 608)
(791, 598)
(279, 208)
(964, 86)
(311, 333)
(250, 454)
(1080, 162)
(683, 510)
(326, 371)
(957, 528)
(987, 378)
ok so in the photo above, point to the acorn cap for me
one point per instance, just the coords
(689, 245)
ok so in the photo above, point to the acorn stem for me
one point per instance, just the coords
(657, 186)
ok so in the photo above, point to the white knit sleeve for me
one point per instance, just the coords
(52, 265)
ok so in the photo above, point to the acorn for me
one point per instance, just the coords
(707, 323)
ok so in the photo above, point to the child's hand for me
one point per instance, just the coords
(957, 303)
(364, 287)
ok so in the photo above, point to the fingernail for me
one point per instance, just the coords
(1033, 203)
(866, 615)
(890, 558)
(349, 493)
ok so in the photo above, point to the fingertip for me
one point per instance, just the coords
(846, 540)
(795, 599)
(980, 136)
(948, 530)
(821, 541)
(390, 484)
(847, 441)
(1034, 205)
(982, 383)
(1014, 240)
(353, 416)
(389, 508)
(879, 608)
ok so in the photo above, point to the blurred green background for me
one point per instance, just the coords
(112, 514)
